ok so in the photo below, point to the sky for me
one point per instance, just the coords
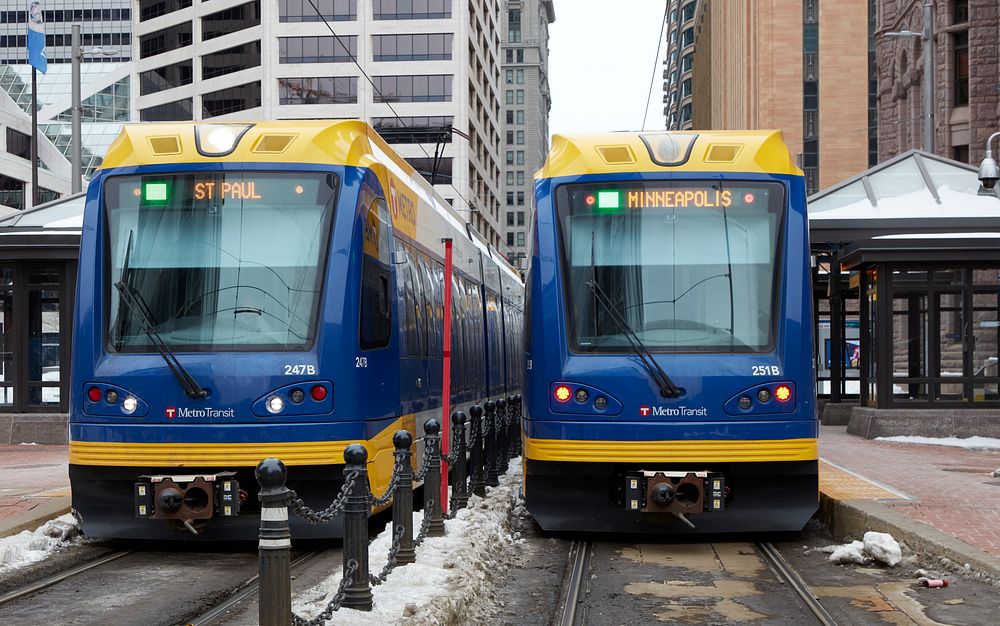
(600, 63)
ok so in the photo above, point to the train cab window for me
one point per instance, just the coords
(376, 309)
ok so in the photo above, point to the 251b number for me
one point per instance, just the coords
(766, 370)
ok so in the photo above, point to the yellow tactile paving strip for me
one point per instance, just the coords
(842, 485)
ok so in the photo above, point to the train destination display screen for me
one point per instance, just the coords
(689, 265)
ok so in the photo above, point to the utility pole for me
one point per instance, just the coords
(76, 134)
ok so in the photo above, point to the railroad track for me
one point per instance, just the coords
(790, 577)
(569, 611)
(244, 592)
(61, 576)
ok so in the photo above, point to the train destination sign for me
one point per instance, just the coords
(648, 197)
(209, 190)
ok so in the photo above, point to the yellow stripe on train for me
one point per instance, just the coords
(205, 454)
(710, 451)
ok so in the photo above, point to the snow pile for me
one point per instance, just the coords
(454, 576)
(30, 546)
(878, 547)
(969, 443)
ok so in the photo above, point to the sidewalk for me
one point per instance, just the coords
(938, 499)
(34, 486)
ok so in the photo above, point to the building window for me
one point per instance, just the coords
(510, 198)
(148, 9)
(510, 96)
(520, 55)
(514, 26)
(510, 137)
(510, 157)
(418, 47)
(12, 191)
(425, 167)
(686, 113)
(510, 178)
(520, 137)
(687, 37)
(510, 117)
(686, 88)
(161, 41)
(687, 11)
(687, 62)
(520, 198)
(520, 218)
(331, 10)
(961, 11)
(520, 117)
(509, 77)
(520, 96)
(961, 77)
(510, 218)
(19, 144)
(231, 100)
(230, 60)
(230, 20)
(321, 90)
(510, 239)
(413, 129)
(166, 77)
(960, 153)
(317, 49)
(520, 177)
(177, 111)
(520, 239)
(519, 76)
(520, 157)
(411, 9)
(422, 88)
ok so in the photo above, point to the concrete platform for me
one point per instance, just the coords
(940, 501)
(34, 486)
(43, 428)
(870, 423)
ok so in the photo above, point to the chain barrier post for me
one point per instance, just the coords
(503, 435)
(511, 423)
(275, 547)
(517, 425)
(477, 478)
(460, 489)
(432, 482)
(490, 443)
(357, 595)
(402, 500)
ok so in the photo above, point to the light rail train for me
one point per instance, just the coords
(266, 289)
(669, 373)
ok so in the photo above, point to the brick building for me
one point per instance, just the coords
(967, 76)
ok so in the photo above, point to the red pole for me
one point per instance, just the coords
(446, 377)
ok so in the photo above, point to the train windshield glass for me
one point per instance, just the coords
(688, 265)
(216, 260)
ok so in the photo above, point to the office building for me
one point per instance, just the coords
(678, 63)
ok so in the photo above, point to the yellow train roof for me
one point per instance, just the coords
(758, 151)
(345, 142)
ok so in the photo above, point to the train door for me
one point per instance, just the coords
(413, 354)
(377, 352)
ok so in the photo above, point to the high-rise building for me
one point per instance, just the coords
(104, 75)
(678, 63)
(966, 75)
(799, 66)
(526, 104)
(434, 69)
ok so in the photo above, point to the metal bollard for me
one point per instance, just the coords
(402, 498)
(490, 441)
(357, 595)
(432, 481)
(501, 458)
(275, 547)
(459, 488)
(477, 478)
(517, 425)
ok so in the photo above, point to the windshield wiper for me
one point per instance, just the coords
(135, 303)
(667, 387)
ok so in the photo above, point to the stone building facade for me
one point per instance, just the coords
(966, 81)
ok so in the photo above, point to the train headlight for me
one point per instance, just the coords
(562, 393)
(111, 396)
(215, 140)
(297, 396)
(745, 402)
(783, 393)
(275, 404)
(764, 395)
(600, 403)
(582, 395)
(129, 404)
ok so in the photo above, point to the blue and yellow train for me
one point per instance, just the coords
(266, 289)
(669, 375)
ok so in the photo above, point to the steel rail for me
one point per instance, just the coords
(573, 593)
(790, 577)
(249, 588)
(58, 578)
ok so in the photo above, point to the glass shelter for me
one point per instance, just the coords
(907, 286)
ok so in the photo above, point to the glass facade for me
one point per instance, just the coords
(317, 49)
(325, 90)
(230, 60)
(417, 47)
(331, 10)
(411, 9)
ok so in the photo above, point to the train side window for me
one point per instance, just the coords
(376, 310)
(420, 295)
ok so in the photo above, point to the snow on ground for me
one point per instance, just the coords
(878, 547)
(969, 443)
(454, 576)
(31, 546)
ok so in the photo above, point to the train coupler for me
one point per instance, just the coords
(679, 493)
(187, 498)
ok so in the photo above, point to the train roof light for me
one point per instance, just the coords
(216, 140)
(562, 393)
(783, 393)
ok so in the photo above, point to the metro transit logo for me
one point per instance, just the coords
(644, 410)
(170, 412)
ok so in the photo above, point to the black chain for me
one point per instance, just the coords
(335, 601)
(425, 462)
(397, 536)
(397, 469)
(425, 524)
(321, 517)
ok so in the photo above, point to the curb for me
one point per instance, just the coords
(852, 518)
(37, 516)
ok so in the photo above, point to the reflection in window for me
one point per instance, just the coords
(230, 60)
(167, 39)
(317, 49)
(416, 47)
(177, 111)
(411, 9)
(323, 90)
(166, 77)
(230, 100)
(330, 10)
(423, 88)
(230, 20)
(148, 9)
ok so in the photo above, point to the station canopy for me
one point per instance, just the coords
(914, 200)
(50, 230)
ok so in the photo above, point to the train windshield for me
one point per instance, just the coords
(688, 265)
(216, 260)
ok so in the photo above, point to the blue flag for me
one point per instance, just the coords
(36, 37)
